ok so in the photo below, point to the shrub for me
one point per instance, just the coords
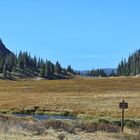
(118, 123)
(108, 128)
(132, 123)
(61, 136)
(103, 121)
(91, 127)
(59, 125)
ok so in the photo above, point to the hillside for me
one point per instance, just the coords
(3, 49)
(23, 65)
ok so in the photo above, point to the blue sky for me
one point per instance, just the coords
(84, 33)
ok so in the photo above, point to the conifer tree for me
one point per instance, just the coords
(42, 71)
(4, 71)
(47, 69)
(52, 68)
(69, 69)
(58, 68)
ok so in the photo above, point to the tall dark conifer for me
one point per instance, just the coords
(58, 68)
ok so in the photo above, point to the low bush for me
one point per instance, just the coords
(61, 136)
(60, 126)
(103, 121)
(108, 128)
(91, 127)
(132, 123)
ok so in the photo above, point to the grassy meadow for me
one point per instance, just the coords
(86, 96)
(95, 101)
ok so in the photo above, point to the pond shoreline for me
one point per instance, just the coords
(54, 113)
(46, 117)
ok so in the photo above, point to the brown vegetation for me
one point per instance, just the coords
(27, 127)
(98, 97)
(16, 128)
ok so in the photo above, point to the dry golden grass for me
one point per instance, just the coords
(53, 135)
(98, 97)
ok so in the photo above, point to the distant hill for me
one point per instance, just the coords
(107, 71)
(82, 72)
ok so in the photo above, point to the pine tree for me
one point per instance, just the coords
(42, 71)
(69, 69)
(1, 62)
(4, 71)
(47, 69)
(58, 68)
(20, 60)
(52, 68)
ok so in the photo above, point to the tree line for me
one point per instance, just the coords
(24, 64)
(131, 66)
(97, 73)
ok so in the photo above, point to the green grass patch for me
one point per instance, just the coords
(129, 123)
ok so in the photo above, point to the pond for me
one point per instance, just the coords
(46, 117)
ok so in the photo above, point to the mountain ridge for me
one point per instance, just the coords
(3, 49)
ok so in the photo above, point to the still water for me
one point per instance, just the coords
(46, 117)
